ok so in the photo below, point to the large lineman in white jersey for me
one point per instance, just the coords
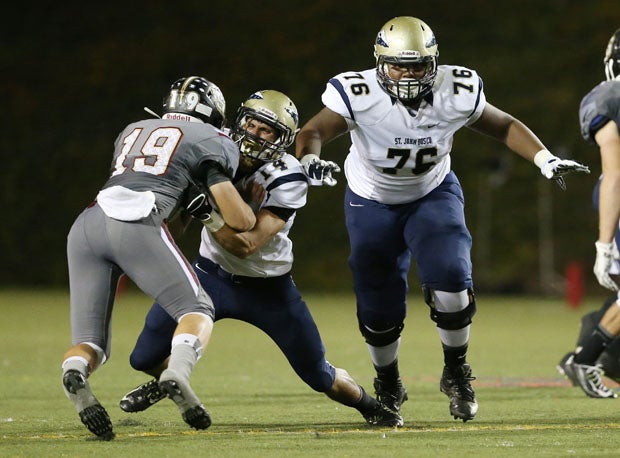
(399, 154)
(403, 201)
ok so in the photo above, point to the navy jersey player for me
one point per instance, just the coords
(403, 200)
(247, 273)
(124, 231)
(599, 116)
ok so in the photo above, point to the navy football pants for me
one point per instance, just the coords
(383, 239)
(273, 305)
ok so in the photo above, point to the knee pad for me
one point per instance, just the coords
(451, 321)
(381, 334)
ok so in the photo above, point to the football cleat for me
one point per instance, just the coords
(392, 396)
(381, 415)
(178, 389)
(456, 384)
(92, 414)
(588, 378)
(566, 369)
(142, 397)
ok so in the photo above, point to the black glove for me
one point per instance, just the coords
(198, 206)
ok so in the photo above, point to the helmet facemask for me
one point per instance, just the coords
(406, 41)
(273, 109)
(407, 89)
(253, 145)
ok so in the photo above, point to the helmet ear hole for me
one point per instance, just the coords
(198, 98)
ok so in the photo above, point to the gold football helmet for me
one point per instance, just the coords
(612, 57)
(273, 108)
(404, 41)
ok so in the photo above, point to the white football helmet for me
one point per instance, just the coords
(273, 108)
(404, 41)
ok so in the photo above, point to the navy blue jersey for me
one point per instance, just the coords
(600, 105)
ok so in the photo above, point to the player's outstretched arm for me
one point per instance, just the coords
(520, 139)
(321, 129)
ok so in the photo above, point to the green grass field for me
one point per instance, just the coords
(260, 408)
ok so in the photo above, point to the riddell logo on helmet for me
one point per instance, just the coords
(178, 116)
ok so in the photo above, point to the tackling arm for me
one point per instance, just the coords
(243, 244)
(235, 212)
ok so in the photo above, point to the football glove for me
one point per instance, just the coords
(318, 171)
(605, 255)
(200, 208)
(554, 168)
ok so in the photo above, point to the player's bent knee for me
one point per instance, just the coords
(320, 376)
(143, 362)
(381, 334)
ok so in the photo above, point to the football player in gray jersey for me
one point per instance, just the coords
(247, 273)
(403, 201)
(124, 231)
(599, 115)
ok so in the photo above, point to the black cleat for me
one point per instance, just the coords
(97, 421)
(456, 385)
(380, 415)
(192, 410)
(392, 396)
(142, 397)
(92, 414)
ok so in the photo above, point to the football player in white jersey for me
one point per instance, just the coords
(599, 116)
(402, 198)
(247, 273)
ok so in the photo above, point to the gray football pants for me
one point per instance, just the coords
(100, 249)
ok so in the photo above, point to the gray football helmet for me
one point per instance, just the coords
(274, 109)
(612, 57)
(404, 41)
(197, 97)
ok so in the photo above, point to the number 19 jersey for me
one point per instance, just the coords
(399, 154)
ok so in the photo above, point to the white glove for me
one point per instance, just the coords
(554, 168)
(318, 171)
(605, 255)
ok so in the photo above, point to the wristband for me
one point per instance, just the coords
(214, 222)
(542, 157)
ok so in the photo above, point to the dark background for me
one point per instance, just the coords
(74, 75)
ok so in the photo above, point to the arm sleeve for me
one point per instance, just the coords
(210, 173)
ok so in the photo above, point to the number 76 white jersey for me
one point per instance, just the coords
(397, 154)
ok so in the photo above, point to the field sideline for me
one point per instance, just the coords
(260, 408)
